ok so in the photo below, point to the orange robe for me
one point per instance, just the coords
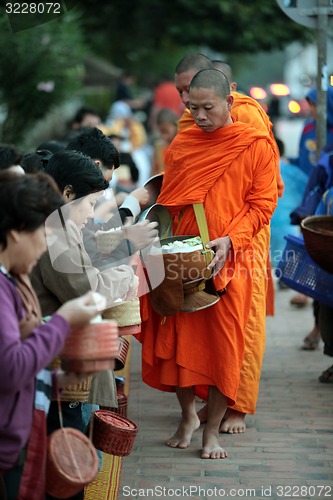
(247, 110)
(239, 194)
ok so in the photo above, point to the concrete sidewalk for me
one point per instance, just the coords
(287, 450)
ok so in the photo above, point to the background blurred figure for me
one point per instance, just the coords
(165, 96)
(321, 179)
(325, 207)
(10, 158)
(35, 162)
(84, 117)
(127, 175)
(122, 122)
(167, 128)
(307, 157)
(52, 145)
(124, 92)
(294, 185)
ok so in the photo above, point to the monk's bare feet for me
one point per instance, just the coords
(203, 414)
(233, 422)
(182, 437)
(211, 447)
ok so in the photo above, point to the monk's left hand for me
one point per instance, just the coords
(221, 247)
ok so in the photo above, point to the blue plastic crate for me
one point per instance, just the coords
(297, 270)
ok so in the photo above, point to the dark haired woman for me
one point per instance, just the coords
(66, 271)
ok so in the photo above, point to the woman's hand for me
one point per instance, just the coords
(78, 312)
(141, 234)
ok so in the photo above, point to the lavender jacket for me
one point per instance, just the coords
(20, 361)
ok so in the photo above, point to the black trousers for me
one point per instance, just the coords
(326, 328)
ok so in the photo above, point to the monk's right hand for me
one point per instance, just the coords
(221, 247)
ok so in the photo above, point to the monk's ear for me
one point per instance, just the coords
(230, 101)
(233, 86)
(68, 193)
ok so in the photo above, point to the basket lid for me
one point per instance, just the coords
(73, 455)
(115, 419)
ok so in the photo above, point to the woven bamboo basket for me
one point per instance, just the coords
(113, 434)
(91, 348)
(72, 463)
(127, 314)
(77, 392)
(318, 238)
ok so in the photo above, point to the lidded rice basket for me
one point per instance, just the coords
(113, 433)
(72, 462)
(127, 316)
(91, 348)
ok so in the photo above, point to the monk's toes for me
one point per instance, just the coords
(177, 443)
(237, 430)
(214, 454)
(183, 444)
(225, 429)
(172, 443)
(232, 429)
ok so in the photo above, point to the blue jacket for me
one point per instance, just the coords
(307, 147)
(319, 181)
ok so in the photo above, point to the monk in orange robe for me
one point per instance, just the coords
(236, 184)
(246, 110)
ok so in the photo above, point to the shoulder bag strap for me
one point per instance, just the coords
(204, 233)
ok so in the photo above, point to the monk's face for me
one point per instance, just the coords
(182, 82)
(209, 110)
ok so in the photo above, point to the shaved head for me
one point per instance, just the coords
(193, 62)
(224, 67)
(211, 79)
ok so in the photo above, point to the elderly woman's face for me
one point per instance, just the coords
(29, 247)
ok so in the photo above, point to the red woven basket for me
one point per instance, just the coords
(122, 354)
(113, 433)
(93, 341)
(122, 405)
(72, 462)
(91, 348)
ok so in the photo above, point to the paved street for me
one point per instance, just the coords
(288, 443)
